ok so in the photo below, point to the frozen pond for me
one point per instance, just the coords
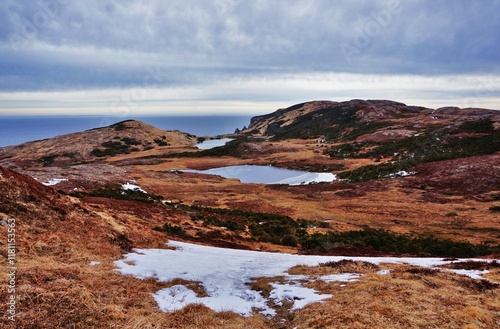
(211, 143)
(268, 175)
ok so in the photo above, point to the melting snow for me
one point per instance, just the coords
(402, 173)
(268, 175)
(343, 277)
(225, 274)
(474, 274)
(54, 181)
(94, 263)
(129, 186)
(300, 296)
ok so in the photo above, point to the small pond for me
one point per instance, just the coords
(268, 175)
(211, 143)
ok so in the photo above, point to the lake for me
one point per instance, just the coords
(268, 175)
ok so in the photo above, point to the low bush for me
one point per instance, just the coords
(171, 229)
(384, 241)
(120, 194)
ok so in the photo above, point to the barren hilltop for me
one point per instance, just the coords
(410, 181)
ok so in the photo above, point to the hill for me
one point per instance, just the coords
(124, 137)
(370, 120)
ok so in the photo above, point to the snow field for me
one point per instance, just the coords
(226, 273)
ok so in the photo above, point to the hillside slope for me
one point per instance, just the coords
(120, 138)
(392, 136)
(65, 248)
(362, 120)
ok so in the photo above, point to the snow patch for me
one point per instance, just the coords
(94, 263)
(300, 296)
(225, 275)
(54, 181)
(343, 277)
(474, 274)
(402, 173)
(132, 187)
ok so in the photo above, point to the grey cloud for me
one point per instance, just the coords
(113, 42)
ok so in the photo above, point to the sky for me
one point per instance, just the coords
(244, 56)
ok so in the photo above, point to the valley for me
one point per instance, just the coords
(407, 182)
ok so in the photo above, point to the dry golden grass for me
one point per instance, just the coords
(407, 298)
(343, 266)
(493, 275)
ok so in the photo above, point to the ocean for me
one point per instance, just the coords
(20, 129)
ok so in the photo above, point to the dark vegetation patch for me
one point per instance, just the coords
(118, 193)
(351, 266)
(436, 144)
(480, 286)
(473, 265)
(111, 148)
(47, 160)
(284, 230)
(422, 271)
(370, 172)
(263, 227)
(388, 242)
(494, 208)
(171, 229)
(232, 148)
(119, 126)
(330, 122)
(484, 126)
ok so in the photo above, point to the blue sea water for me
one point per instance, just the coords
(17, 130)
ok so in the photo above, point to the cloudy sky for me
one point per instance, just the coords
(244, 56)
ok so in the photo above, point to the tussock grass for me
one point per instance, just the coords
(407, 298)
(473, 265)
(343, 266)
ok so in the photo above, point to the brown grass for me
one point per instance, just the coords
(343, 266)
(407, 298)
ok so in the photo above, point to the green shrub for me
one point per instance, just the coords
(171, 229)
(160, 142)
(47, 160)
(231, 148)
(384, 241)
(120, 194)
